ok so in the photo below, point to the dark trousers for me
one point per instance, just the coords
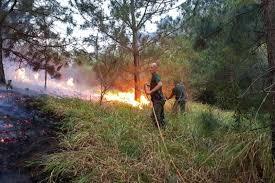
(179, 106)
(159, 112)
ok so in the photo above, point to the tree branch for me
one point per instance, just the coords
(17, 54)
(10, 10)
(144, 14)
(127, 20)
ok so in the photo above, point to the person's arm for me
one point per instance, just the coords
(171, 96)
(157, 87)
(185, 94)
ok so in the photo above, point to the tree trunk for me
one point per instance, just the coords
(46, 75)
(96, 47)
(135, 52)
(101, 98)
(269, 16)
(102, 93)
(2, 73)
(137, 77)
(46, 78)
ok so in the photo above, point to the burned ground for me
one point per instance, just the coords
(23, 133)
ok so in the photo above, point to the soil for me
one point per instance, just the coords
(24, 132)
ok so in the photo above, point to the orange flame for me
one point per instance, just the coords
(127, 97)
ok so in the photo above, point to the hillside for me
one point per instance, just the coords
(118, 143)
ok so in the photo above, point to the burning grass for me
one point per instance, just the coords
(118, 143)
(127, 98)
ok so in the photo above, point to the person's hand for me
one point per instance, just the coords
(148, 92)
(147, 89)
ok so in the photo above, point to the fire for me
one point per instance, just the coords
(36, 76)
(70, 82)
(68, 87)
(21, 75)
(127, 97)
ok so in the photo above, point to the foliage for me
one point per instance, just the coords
(107, 70)
(228, 49)
(123, 24)
(27, 33)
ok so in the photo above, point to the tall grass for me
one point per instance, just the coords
(118, 143)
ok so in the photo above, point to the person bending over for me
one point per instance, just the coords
(180, 95)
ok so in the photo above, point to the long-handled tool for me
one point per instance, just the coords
(161, 135)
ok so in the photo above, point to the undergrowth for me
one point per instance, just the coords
(119, 143)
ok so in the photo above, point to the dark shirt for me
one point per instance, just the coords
(179, 92)
(157, 95)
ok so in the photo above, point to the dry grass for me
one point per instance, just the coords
(117, 143)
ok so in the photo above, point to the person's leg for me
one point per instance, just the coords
(174, 108)
(157, 116)
(162, 116)
(182, 106)
(152, 116)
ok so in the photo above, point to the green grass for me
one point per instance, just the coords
(118, 143)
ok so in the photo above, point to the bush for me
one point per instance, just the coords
(207, 124)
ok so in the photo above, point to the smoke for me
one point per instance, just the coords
(75, 81)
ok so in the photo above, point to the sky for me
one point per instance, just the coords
(80, 34)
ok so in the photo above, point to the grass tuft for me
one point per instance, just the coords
(119, 143)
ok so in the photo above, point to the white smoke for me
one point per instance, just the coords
(75, 81)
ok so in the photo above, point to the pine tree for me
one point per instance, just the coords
(123, 23)
(26, 32)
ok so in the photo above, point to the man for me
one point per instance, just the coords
(157, 97)
(180, 96)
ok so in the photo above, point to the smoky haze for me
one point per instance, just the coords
(75, 81)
